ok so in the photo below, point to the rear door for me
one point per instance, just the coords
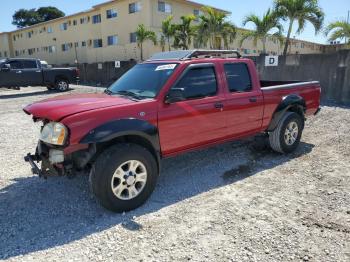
(31, 73)
(200, 118)
(244, 104)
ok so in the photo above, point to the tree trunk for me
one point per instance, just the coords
(285, 51)
(169, 44)
(141, 47)
(264, 45)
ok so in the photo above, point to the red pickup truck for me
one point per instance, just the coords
(173, 103)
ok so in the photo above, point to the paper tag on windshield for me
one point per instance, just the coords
(166, 67)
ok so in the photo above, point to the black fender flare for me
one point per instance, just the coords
(125, 127)
(294, 102)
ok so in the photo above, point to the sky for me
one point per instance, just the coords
(334, 10)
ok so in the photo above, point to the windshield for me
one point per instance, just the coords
(143, 80)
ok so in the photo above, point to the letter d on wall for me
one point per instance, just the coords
(271, 61)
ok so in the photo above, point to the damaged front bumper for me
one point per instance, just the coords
(52, 161)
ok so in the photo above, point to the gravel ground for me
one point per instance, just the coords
(235, 202)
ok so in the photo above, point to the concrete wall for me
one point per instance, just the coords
(104, 73)
(332, 70)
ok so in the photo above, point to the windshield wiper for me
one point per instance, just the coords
(128, 93)
(108, 92)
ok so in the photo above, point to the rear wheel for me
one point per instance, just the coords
(286, 137)
(62, 85)
(123, 177)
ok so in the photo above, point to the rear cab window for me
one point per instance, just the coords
(198, 81)
(238, 77)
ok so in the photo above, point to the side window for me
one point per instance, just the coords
(30, 64)
(15, 64)
(238, 77)
(198, 82)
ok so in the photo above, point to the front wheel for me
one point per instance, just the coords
(62, 85)
(286, 137)
(123, 177)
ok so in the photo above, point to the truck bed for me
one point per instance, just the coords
(282, 84)
(275, 91)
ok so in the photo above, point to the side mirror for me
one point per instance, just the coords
(175, 95)
(5, 68)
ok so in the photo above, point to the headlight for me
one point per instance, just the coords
(54, 133)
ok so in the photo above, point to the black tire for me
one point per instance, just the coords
(282, 142)
(62, 85)
(108, 162)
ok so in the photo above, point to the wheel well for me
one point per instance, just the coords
(300, 110)
(133, 139)
(60, 77)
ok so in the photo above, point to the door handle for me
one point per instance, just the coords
(253, 100)
(219, 105)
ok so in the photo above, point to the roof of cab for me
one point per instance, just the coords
(183, 55)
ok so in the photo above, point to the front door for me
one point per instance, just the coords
(197, 120)
(14, 77)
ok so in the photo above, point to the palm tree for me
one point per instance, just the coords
(339, 29)
(142, 34)
(263, 26)
(184, 32)
(168, 30)
(214, 29)
(300, 11)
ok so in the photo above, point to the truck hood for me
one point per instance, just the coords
(59, 107)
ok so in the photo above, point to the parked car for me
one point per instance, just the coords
(174, 103)
(20, 72)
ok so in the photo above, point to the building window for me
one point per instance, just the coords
(65, 47)
(111, 13)
(84, 20)
(29, 34)
(133, 37)
(112, 40)
(164, 7)
(134, 7)
(52, 49)
(96, 19)
(97, 43)
(64, 26)
(197, 13)
(49, 30)
(76, 44)
(31, 51)
(14, 38)
(75, 22)
(83, 43)
(16, 53)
